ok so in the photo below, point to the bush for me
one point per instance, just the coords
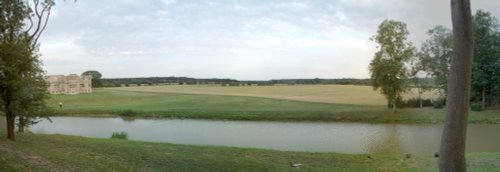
(439, 103)
(427, 102)
(476, 106)
(119, 135)
(415, 102)
(128, 113)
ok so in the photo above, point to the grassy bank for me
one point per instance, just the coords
(33, 152)
(163, 104)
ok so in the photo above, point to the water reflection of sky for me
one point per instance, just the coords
(291, 136)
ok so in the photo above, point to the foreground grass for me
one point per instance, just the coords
(160, 104)
(34, 152)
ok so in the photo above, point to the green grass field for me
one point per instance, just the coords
(341, 94)
(157, 102)
(38, 152)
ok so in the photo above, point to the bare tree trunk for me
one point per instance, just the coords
(11, 118)
(22, 124)
(483, 97)
(452, 151)
(394, 106)
(420, 97)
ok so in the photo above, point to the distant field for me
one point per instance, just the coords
(206, 106)
(106, 101)
(342, 94)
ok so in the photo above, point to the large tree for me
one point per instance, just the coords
(32, 98)
(435, 56)
(21, 24)
(96, 77)
(486, 68)
(452, 150)
(388, 68)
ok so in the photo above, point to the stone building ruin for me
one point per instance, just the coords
(71, 84)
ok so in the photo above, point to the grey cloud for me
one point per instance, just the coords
(187, 35)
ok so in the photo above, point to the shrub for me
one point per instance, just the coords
(439, 103)
(415, 102)
(427, 102)
(128, 113)
(476, 106)
(119, 135)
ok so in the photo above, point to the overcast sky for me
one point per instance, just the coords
(245, 40)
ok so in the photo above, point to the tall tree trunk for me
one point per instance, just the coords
(11, 119)
(394, 106)
(452, 151)
(483, 97)
(420, 97)
(394, 100)
(22, 124)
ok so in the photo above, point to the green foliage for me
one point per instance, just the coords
(388, 69)
(411, 103)
(116, 82)
(486, 66)
(96, 78)
(22, 86)
(415, 102)
(128, 113)
(119, 135)
(476, 106)
(435, 56)
(95, 74)
(439, 103)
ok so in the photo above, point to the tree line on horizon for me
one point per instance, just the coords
(151, 81)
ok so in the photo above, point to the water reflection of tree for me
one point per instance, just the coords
(385, 140)
(128, 119)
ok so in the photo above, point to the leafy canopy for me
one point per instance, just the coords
(435, 56)
(388, 69)
(96, 77)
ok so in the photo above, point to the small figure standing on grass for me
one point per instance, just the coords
(60, 105)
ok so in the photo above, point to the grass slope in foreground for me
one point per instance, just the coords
(37, 152)
(159, 104)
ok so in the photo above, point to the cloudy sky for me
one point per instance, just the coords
(239, 39)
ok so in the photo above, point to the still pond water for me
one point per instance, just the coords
(338, 137)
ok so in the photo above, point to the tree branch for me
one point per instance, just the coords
(44, 26)
(42, 16)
